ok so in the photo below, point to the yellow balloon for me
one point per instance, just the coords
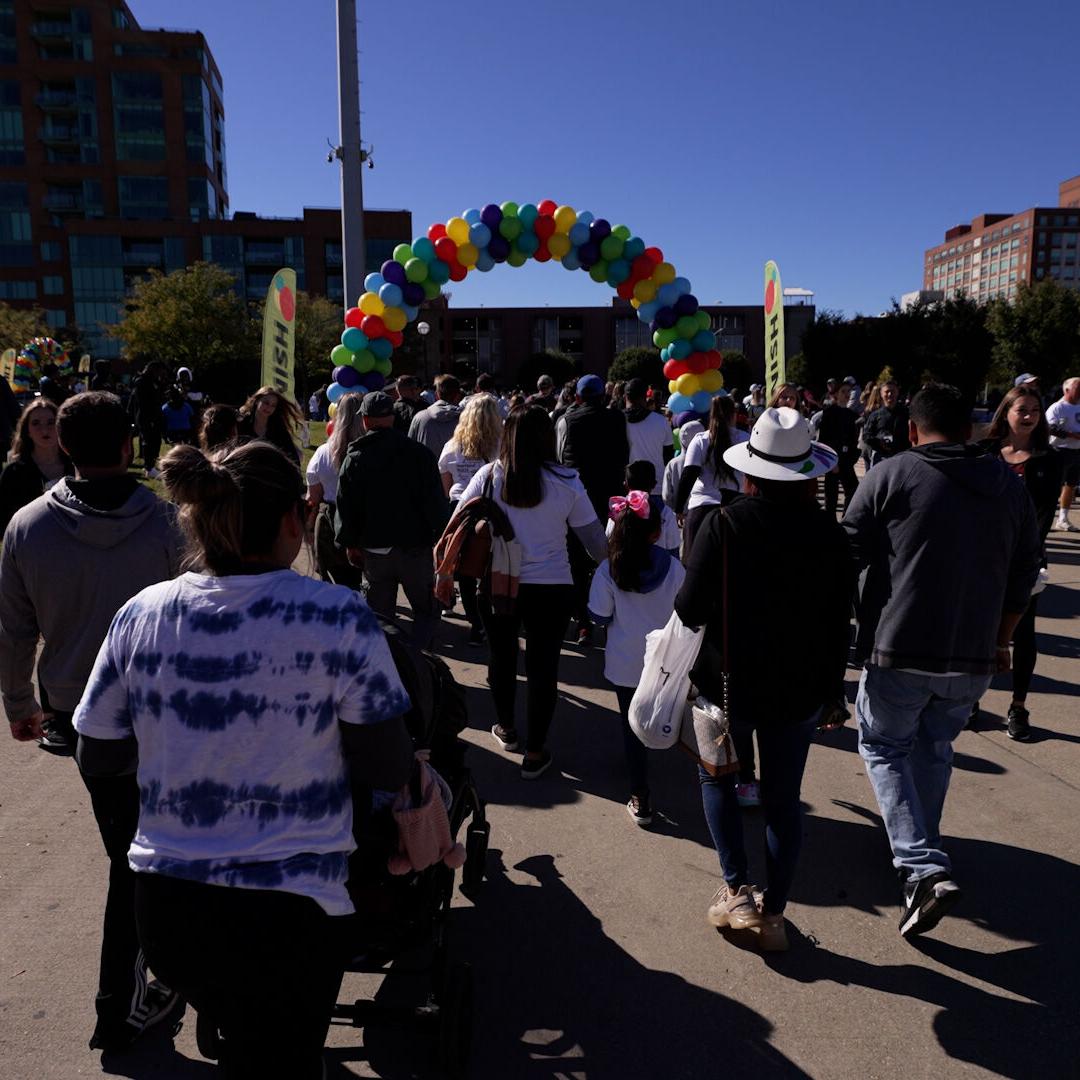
(673, 386)
(663, 274)
(457, 229)
(635, 303)
(565, 219)
(559, 245)
(688, 384)
(711, 380)
(394, 318)
(467, 254)
(332, 411)
(644, 291)
(370, 304)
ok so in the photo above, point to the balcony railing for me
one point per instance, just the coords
(58, 203)
(65, 135)
(143, 258)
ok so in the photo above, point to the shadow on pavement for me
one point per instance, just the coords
(847, 738)
(153, 1056)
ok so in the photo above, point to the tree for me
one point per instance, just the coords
(638, 362)
(1039, 332)
(19, 325)
(559, 365)
(318, 329)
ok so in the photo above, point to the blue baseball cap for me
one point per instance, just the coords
(590, 386)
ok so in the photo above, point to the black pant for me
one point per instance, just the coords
(692, 523)
(845, 475)
(150, 443)
(637, 754)
(266, 965)
(543, 611)
(582, 569)
(122, 975)
(1025, 651)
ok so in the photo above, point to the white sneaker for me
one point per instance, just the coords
(1064, 525)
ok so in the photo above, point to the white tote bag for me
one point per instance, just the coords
(656, 712)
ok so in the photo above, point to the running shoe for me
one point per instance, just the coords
(736, 909)
(925, 901)
(534, 768)
(56, 740)
(640, 810)
(1019, 728)
(1064, 525)
(477, 636)
(507, 738)
(157, 1003)
(748, 794)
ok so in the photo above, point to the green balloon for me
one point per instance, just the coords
(509, 209)
(598, 271)
(384, 367)
(611, 247)
(416, 270)
(687, 326)
(663, 338)
(510, 228)
(516, 258)
(340, 355)
(704, 320)
(622, 232)
(431, 289)
(403, 253)
(364, 361)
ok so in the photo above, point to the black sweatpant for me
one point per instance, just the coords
(1025, 651)
(845, 475)
(266, 965)
(635, 751)
(543, 612)
(150, 444)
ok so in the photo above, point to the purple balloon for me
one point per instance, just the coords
(686, 304)
(588, 253)
(665, 318)
(346, 376)
(598, 230)
(395, 272)
(412, 293)
(498, 246)
(491, 215)
(654, 326)
(373, 380)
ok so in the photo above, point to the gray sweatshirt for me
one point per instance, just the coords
(434, 425)
(66, 570)
(948, 536)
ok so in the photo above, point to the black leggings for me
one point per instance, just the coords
(1025, 651)
(833, 480)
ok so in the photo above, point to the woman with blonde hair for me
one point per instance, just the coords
(322, 481)
(786, 396)
(475, 442)
(270, 415)
(36, 461)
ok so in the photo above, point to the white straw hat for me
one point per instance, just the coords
(780, 448)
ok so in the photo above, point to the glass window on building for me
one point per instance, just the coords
(378, 251)
(57, 318)
(12, 144)
(18, 290)
(139, 116)
(144, 197)
(335, 288)
(51, 251)
(332, 253)
(9, 46)
(52, 285)
(175, 253)
(227, 251)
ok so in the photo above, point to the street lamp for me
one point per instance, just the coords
(423, 329)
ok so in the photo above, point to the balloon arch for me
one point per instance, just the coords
(33, 358)
(511, 233)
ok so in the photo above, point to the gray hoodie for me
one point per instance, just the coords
(66, 570)
(435, 425)
(948, 536)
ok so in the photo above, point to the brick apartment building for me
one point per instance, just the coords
(112, 161)
(996, 253)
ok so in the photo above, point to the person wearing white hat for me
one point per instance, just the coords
(785, 662)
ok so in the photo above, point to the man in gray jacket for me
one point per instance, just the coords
(71, 559)
(948, 538)
(435, 425)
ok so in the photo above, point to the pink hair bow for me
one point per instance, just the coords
(637, 502)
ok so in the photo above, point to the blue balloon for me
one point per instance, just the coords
(665, 354)
(391, 295)
(374, 282)
(413, 294)
(410, 311)
(579, 233)
(703, 341)
(588, 253)
(618, 271)
(633, 247)
(484, 261)
(527, 214)
(334, 392)
(686, 304)
(599, 229)
(438, 272)
(479, 235)
(346, 376)
(354, 339)
(491, 215)
(585, 217)
(682, 285)
(701, 401)
(681, 349)
(678, 403)
(647, 312)
(471, 216)
(528, 243)
(667, 295)
(665, 318)
(380, 348)
(571, 261)
(499, 247)
(423, 248)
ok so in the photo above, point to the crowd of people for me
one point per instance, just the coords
(221, 707)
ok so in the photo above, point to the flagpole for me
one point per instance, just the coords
(352, 187)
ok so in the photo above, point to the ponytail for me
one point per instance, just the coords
(630, 543)
(720, 415)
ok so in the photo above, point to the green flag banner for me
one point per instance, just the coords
(279, 334)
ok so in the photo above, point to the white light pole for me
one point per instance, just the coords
(352, 188)
(423, 329)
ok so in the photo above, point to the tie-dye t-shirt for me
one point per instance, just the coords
(233, 687)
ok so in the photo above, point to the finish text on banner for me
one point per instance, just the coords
(775, 363)
(279, 334)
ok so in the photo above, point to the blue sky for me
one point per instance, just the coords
(840, 138)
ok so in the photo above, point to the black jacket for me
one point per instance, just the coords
(20, 483)
(1042, 477)
(885, 431)
(389, 493)
(405, 410)
(146, 401)
(840, 429)
(595, 443)
(788, 648)
(245, 433)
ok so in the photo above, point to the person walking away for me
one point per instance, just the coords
(839, 429)
(542, 500)
(886, 429)
(951, 548)
(241, 846)
(219, 427)
(854, 402)
(270, 416)
(648, 431)
(591, 440)
(435, 425)
(545, 394)
(147, 398)
(408, 403)
(179, 417)
(773, 629)
(633, 592)
(71, 559)
(639, 477)
(1020, 437)
(1064, 420)
(756, 405)
(688, 429)
(36, 463)
(475, 442)
(331, 562)
(390, 510)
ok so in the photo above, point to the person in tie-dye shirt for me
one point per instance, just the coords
(253, 698)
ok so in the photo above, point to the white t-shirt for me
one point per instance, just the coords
(633, 615)
(461, 469)
(707, 487)
(1066, 418)
(541, 529)
(233, 688)
(320, 470)
(648, 437)
(670, 535)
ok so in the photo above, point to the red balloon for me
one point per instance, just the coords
(436, 232)
(697, 362)
(641, 267)
(716, 358)
(626, 289)
(542, 253)
(655, 254)
(446, 249)
(373, 326)
(674, 368)
(548, 207)
(395, 337)
(354, 317)
(329, 428)
(457, 271)
(544, 226)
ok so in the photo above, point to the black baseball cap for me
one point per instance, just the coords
(377, 404)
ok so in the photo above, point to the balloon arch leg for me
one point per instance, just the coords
(510, 233)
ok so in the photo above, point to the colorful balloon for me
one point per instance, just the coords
(565, 217)
(458, 230)
(391, 295)
(354, 339)
(402, 254)
(370, 304)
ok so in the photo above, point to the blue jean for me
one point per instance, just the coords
(782, 754)
(907, 724)
(635, 751)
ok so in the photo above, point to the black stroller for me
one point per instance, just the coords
(399, 915)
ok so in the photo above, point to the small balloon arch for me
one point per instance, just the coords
(33, 357)
(512, 233)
